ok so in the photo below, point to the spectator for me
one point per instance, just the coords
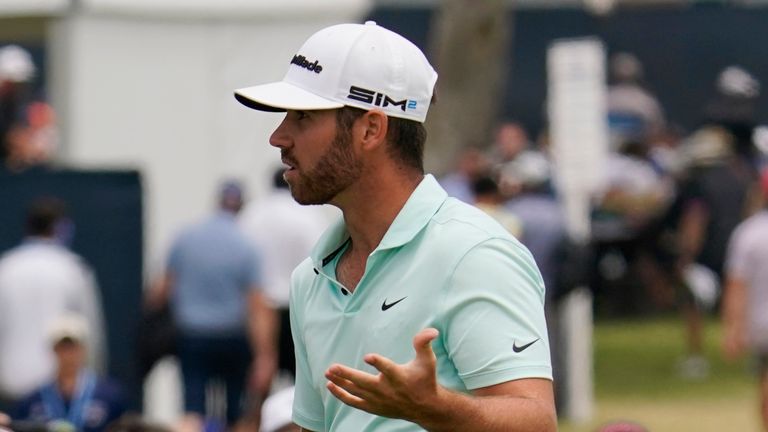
(76, 395)
(511, 140)
(39, 281)
(634, 113)
(28, 134)
(711, 203)
(489, 199)
(16, 70)
(225, 325)
(471, 165)
(733, 107)
(285, 232)
(745, 300)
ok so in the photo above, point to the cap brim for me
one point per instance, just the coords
(282, 96)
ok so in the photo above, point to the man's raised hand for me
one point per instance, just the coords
(404, 391)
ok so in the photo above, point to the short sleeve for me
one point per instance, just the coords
(493, 316)
(308, 411)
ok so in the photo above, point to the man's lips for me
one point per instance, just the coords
(289, 163)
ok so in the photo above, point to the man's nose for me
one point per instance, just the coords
(280, 137)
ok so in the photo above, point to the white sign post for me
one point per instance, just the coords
(579, 138)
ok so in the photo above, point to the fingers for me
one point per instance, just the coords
(359, 378)
(382, 364)
(422, 343)
(347, 385)
(346, 397)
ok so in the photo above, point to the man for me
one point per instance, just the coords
(745, 298)
(39, 281)
(285, 232)
(213, 283)
(712, 202)
(76, 396)
(406, 262)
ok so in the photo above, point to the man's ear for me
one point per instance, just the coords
(373, 129)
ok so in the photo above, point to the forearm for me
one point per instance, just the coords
(263, 328)
(734, 305)
(457, 411)
(159, 292)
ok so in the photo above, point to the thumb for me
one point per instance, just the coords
(422, 343)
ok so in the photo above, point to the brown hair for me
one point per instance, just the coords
(406, 137)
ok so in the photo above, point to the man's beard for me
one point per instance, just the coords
(334, 172)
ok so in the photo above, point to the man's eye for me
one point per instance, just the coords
(301, 115)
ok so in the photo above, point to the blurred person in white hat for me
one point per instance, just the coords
(76, 397)
(15, 64)
(28, 132)
(415, 310)
(734, 106)
(16, 70)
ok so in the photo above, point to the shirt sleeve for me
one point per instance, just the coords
(308, 411)
(493, 316)
(253, 269)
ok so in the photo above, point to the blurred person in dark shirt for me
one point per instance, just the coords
(76, 396)
(711, 203)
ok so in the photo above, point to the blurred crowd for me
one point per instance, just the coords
(660, 227)
(661, 219)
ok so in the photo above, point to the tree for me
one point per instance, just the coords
(470, 40)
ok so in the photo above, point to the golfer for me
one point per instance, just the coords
(415, 311)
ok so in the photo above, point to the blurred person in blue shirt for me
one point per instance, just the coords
(226, 328)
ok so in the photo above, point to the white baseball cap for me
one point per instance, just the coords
(16, 64)
(360, 65)
(68, 326)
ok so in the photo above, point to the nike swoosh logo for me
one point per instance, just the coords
(385, 306)
(519, 349)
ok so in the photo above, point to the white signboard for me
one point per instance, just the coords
(577, 113)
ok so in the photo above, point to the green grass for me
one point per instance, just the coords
(636, 378)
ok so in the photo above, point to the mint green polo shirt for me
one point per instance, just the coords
(443, 264)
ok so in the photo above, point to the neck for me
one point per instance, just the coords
(372, 206)
(67, 381)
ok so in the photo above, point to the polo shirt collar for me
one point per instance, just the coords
(418, 210)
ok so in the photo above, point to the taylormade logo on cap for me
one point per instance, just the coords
(364, 66)
(301, 61)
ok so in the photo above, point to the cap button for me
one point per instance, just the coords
(372, 23)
